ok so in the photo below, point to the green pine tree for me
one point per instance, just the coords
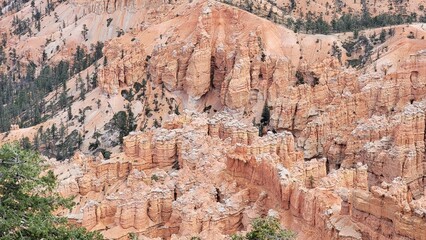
(28, 200)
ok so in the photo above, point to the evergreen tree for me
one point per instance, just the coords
(356, 33)
(28, 200)
(382, 36)
(84, 32)
(125, 122)
(98, 51)
(94, 81)
(63, 100)
(53, 131)
(36, 142)
(131, 120)
(69, 112)
(120, 122)
(266, 115)
(266, 229)
(177, 110)
(82, 91)
(2, 55)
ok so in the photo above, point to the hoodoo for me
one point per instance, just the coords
(213, 119)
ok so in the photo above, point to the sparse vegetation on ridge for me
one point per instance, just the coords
(313, 24)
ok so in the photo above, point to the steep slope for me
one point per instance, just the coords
(350, 108)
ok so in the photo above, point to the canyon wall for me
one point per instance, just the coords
(342, 154)
(374, 116)
(211, 176)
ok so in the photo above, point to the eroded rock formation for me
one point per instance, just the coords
(345, 155)
(211, 177)
(344, 114)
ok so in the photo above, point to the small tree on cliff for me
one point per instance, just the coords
(266, 229)
(266, 115)
(131, 119)
(84, 32)
(125, 122)
(27, 200)
(264, 120)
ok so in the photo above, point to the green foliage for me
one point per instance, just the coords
(105, 61)
(266, 115)
(97, 143)
(356, 33)
(82, 113)
(177, 110)
(28, 200)
(131, 119)
(92, 82)
(83, 59)
(350, 22)
(128, 95)
(137, 86)
(133, 236)
(57, 143)
(20, 27)
(25, 143)
(148, 111)
(69, 113)
(156, 124)
(237, 237)
(315, 24)
(37, 18)
(93, 146)
(31, 68)
(292, 5)
(120, 122)
(154, 177)
(82, 88)
(23, 99)
(109, 20)
(267, 228)
(300, 79)
(382, 36)
(84, 32)
(3, 56)
(106, 153)
(98, 54)
(124, 121)
(363, 43)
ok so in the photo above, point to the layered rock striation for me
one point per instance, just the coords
(347, 115)
(212, 176)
